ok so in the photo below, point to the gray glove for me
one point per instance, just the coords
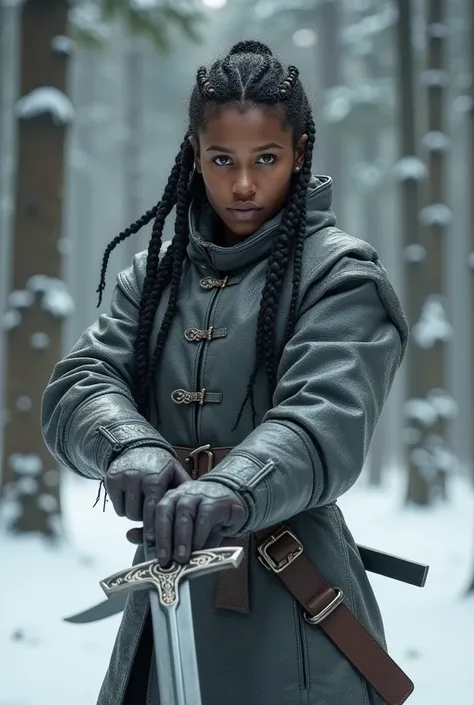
(197, 514)
(137, 480)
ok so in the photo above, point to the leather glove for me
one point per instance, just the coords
(194, 516)
(137, 480)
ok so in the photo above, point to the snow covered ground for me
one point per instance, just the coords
(430, 631)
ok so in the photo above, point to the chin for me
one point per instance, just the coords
(243, 229)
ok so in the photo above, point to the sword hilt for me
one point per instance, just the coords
(150, 575)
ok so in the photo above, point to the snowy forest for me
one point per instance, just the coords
(93, 97)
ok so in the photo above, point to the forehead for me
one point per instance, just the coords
(252, 126)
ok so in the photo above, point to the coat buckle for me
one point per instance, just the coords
(293, 550)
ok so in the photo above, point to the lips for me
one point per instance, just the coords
(244, 211)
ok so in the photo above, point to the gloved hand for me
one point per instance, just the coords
(194, 516)
(137, 480)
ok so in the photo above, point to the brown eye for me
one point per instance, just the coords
(267, 159)
(217, 163)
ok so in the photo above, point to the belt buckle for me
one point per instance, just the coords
(268, 562)
(194, 456)
(326, 611)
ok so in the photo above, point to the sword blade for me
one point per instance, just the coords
(175, 649)
(113, 605)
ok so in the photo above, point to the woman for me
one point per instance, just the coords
(265, 330)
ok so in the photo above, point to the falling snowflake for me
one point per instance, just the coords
(21, 298)
(27, 485)
(411, 436)
(64, 246)
(414, 254)
(11, 319)
(40, 341)
(24, 403)
(51, 478)
(446, 407)
(25, 463)
(421, 411)
(47, 503)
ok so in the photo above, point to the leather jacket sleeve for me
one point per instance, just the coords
(88, 411)
(333, 380)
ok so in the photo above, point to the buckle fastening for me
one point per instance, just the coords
(278, 566)
(326, 611)
(194, 458)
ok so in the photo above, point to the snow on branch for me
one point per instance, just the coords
(56, 298)
(46, 100)
(414, 253)
(433, 326)
(436, 141)
(410, 169)
(63, 45)
(436, 215)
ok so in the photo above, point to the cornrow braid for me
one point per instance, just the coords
(287, 85)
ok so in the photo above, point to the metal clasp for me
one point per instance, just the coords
(326, 611)
(278, 566)
(194, 458)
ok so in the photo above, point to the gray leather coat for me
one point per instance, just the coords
(333, 380)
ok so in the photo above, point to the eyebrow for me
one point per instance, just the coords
(270, 145)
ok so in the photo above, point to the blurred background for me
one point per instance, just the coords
(93, 97)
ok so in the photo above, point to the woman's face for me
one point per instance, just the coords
(246, 160)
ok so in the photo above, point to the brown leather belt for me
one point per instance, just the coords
(280, 552)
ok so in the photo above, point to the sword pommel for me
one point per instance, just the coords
(150, 575)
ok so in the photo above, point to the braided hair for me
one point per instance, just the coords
(248, 76)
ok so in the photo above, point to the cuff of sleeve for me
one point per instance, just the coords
(114, 440)
(247, 477)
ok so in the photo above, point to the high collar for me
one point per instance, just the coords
(204, 252)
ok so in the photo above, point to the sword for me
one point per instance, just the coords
(374, 561)
(171, 614)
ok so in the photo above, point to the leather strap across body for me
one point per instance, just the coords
(280, 551)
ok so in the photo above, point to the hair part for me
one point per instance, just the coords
(249, 76)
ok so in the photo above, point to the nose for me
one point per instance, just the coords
(244, 187)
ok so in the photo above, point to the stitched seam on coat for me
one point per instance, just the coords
(127, 288)
(312, 452)
(345, 552)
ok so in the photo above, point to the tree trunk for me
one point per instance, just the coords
(329, 52)
(435, 218)
(30, 487)
(470, 588)
(471, 202)
(410, 173)
(134, 114)
(8, 86)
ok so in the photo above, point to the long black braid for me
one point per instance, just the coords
(249, 75)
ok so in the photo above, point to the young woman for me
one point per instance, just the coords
(265, 340)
